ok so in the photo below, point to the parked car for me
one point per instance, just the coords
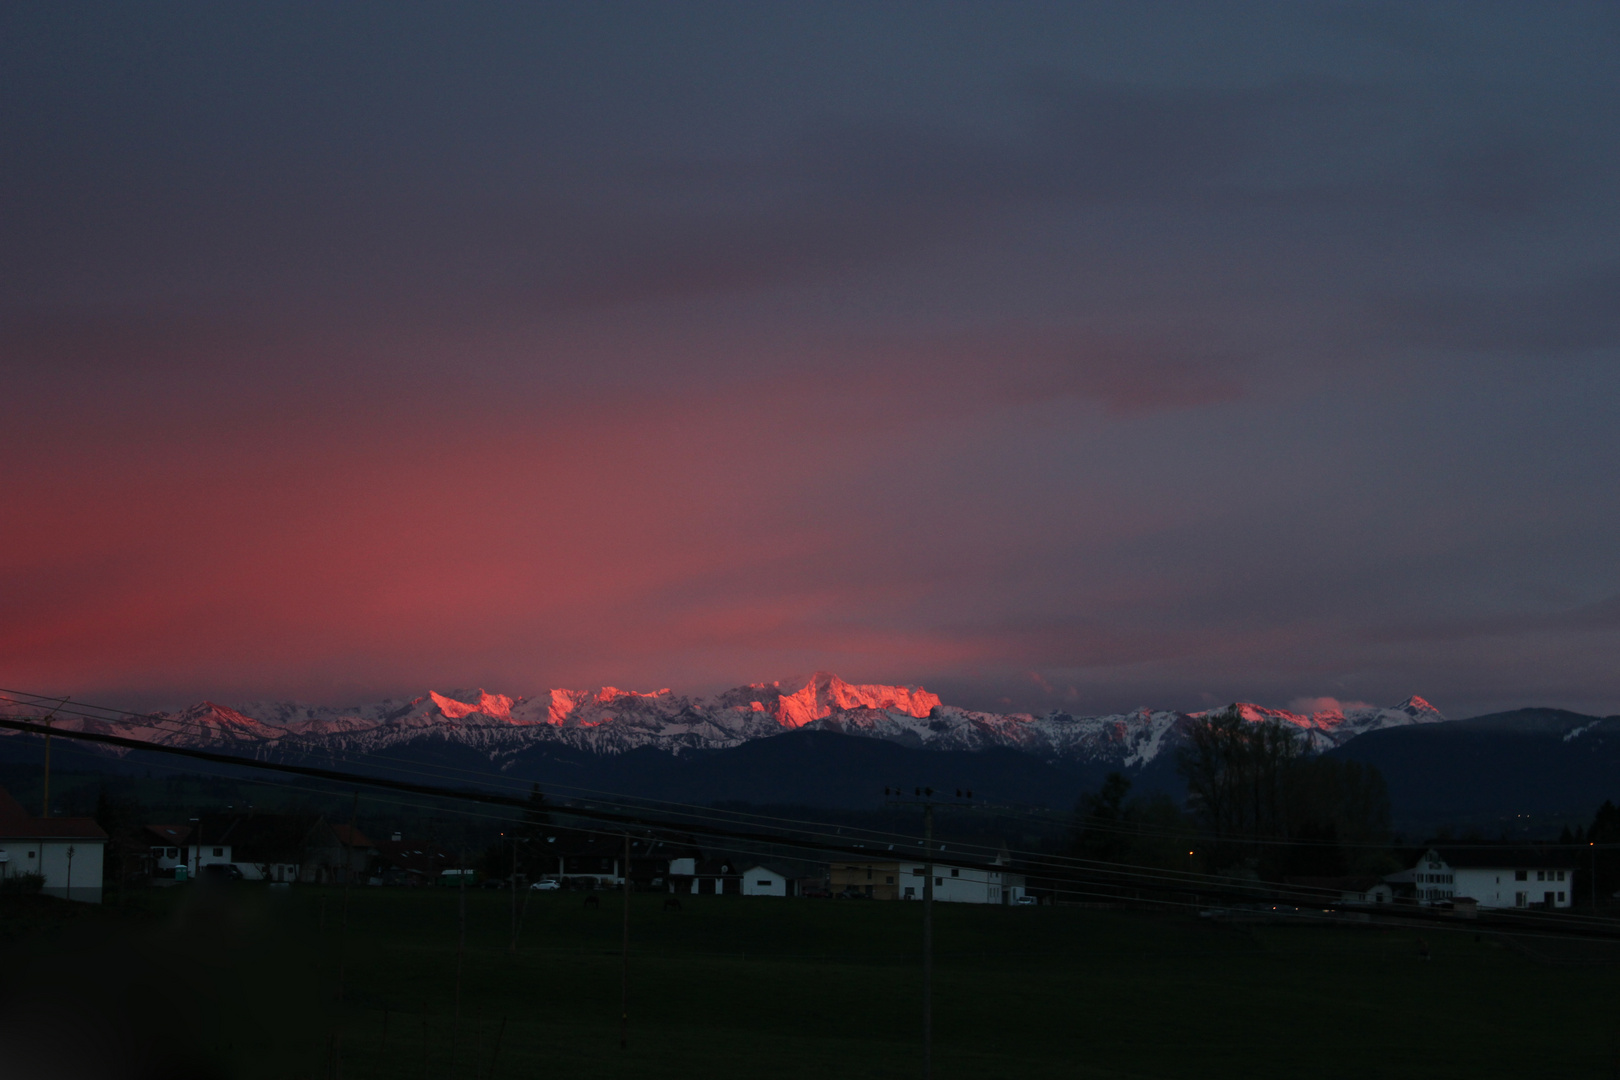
(222, 871)
(545, 885)
(1027, 900)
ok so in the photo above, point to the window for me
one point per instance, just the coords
(30, 854)
(1560, 875)
(763, 884)
(868, 873)
(939, 881)
(910, 892)
(1541, 875)
(888, 881)
(218, 852)
(1521, 875)
(955, 872)
(1560, 898)
(916, 871)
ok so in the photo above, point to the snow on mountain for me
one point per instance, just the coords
(1335, 727)
(613, 721)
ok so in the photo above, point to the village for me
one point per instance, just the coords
(70, 857)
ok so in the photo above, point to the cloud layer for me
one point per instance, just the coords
(1081, 355)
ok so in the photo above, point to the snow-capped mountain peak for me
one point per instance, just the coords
(609, 720)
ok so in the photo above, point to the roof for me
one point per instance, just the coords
(349, 836)
(1505, 857)
(18, 824)
(1352, 883)
(781, 870)
(170, 834)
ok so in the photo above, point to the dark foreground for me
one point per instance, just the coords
(244, 982)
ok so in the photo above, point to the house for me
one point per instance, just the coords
(1355, 889)
(768, 879)
(1493, 876)
(591, 860)
(264, 847)
(717, 877)
(401, 862)
(269, 847)
(166, 849)
(335, 854)
(904, 880)
(66, 851)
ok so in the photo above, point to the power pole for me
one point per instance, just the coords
(928, 941)
(924, 797)
(513, 947)
(45, 798)
(624, 967)
(461, 949)
(343, 928)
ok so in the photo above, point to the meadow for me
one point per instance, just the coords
(244, 981)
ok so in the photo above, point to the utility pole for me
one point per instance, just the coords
(624, 967)
(461, 949)
(924, 797)
(196, 848)
(45, 798)
(512, 949)
(348, 876)
(928, 941)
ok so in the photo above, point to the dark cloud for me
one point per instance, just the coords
(1577, 312)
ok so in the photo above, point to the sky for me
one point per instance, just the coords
(1071, 356)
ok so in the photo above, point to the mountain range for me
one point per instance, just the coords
(611, 721)
(835, 744)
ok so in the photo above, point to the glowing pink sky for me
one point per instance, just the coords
(1073, 356)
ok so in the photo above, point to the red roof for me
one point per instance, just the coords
(350, 837)
(18, 824)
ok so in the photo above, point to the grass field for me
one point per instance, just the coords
(245, 984)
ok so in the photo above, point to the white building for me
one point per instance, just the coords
(66, 852)
(763, 880)
(1495, 877)
(904, 880)
(962, 885)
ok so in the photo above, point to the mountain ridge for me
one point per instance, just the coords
(609, 720)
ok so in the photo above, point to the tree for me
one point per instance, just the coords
(1264, 798)
(1235, 773)
(533, 853)
(1141, 831)
(1603, 839)
(1099, 822)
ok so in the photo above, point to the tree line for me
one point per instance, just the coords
(1259, 804)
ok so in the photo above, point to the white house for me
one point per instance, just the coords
(904, 880)
(1495, 877)
(763, 880)
(962, 885)
(66, 852)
